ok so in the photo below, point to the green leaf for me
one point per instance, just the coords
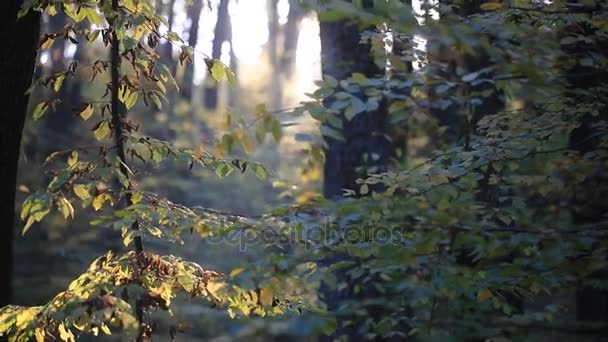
(136, 197)
(359, 78)
(332, 133)
(39, 110)
(58, 82)
(260, 171)
(231, 78)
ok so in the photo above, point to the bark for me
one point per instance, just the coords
(365, 134)
(17, 60)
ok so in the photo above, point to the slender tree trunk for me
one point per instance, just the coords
(291, 32)
(194, 15)
(222, 33)
(274, 87)
(17, 60)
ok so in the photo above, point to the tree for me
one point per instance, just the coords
(17, 60)
(221, 34)
(363, 144)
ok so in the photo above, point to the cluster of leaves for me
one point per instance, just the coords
(120, 292)
(454, 245)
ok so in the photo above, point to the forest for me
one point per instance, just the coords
(304, 170)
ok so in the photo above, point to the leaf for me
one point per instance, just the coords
(277, 133)
(131, 100)
(87, 111)
(359, 78)
(82, 191)
(58, 82)
(483, 294)
(66, 208)
(39, 334)
(218, 72)
(491, 6)
(39, 110)
(260, 171)
(102, 131)
(136, 197)
(231, 78)
(73, 158)
(99, 200)
(470, 77)
(47, 42)
(332, 133)
(364, 189)
(65, 334)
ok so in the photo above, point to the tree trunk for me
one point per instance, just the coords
(194, 15)
(17, 60)
(274, 87)
(366, 133)
(222, 33)
(290, 37)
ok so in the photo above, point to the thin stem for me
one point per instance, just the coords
(117, 123)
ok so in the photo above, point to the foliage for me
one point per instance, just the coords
(119, 292)
(446, 245)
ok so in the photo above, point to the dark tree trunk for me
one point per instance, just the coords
(17, 60)
(222, 33)
(365, 134)
(194, 15)
(588, 203)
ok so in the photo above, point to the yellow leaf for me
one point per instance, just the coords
(491, 6)
(483, 294)
(266, 296)
(66, 208)
(73, 158)
(103, 131)
(105, 329)
(81, 191)
(65, 334)
(87, 111)
(198, 153)
(47, 42)
(99, 200)
(39, 333)
(218, 72)
(236, 271)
